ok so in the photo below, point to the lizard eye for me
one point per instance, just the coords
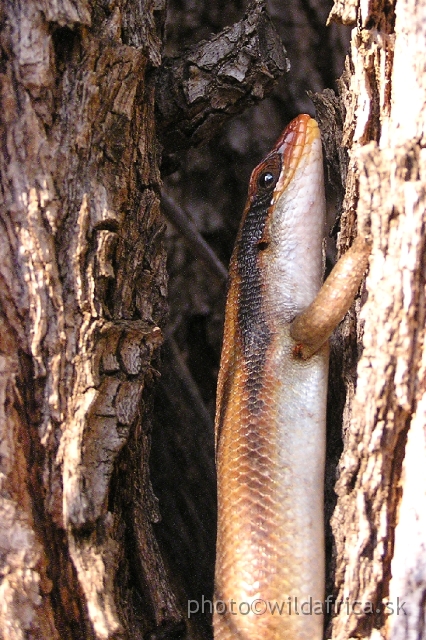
(265, 176)
(266, 180)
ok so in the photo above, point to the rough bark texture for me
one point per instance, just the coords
(218, 78)
(83, 285)
(379, 520)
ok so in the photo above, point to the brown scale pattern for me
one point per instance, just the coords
(260, 518)
(269, 526)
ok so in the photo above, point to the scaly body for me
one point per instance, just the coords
(271, 403)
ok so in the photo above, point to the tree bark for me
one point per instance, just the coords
(83, 288)
(378, 523)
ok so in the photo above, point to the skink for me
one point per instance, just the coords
(271, 399)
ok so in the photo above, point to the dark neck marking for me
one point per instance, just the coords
(255, 333)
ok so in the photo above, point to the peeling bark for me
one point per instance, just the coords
(83, 288)
(218, 79)
(378, 522)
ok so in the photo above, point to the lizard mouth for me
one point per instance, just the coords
(294, 143)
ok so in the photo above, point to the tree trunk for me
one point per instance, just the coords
(83, 286)
(379, 523)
